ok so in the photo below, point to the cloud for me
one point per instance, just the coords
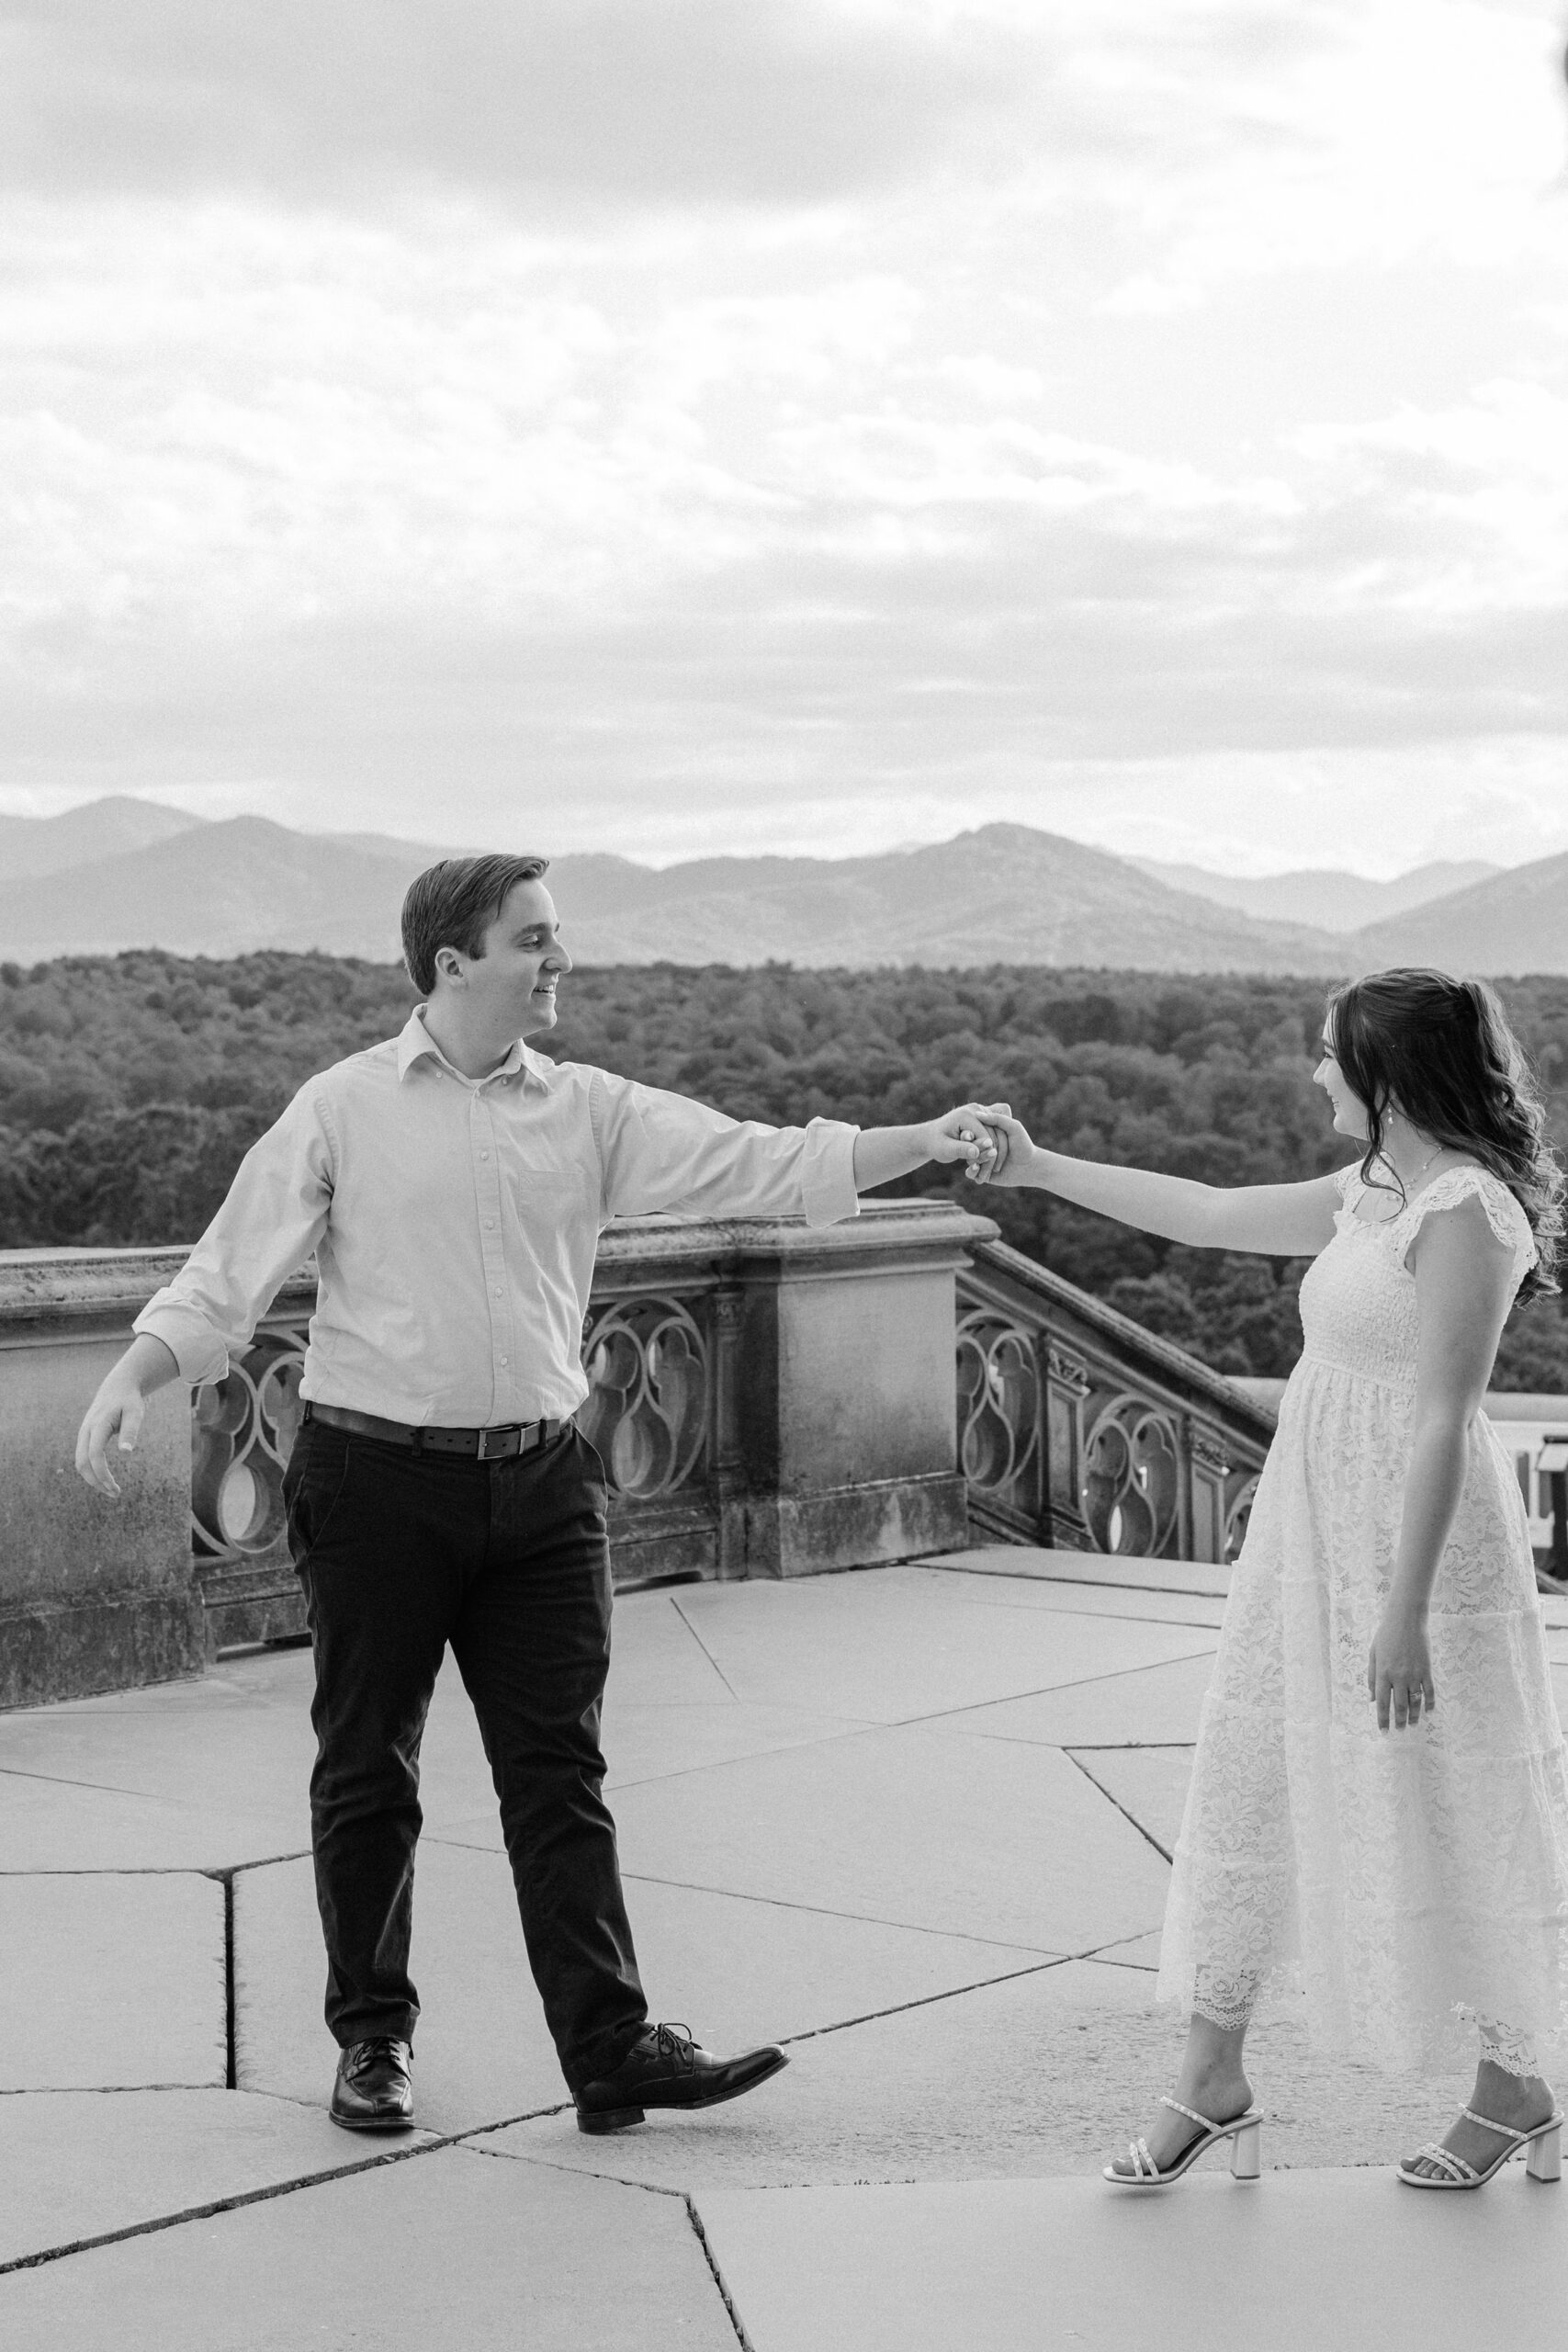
(683, 102)
(677, 408)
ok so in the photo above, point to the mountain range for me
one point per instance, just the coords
(124, 873)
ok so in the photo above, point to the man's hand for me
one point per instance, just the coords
(119, 1409)
(961, 1137)
(1012, 1148)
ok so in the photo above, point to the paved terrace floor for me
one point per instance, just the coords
(913, 1821)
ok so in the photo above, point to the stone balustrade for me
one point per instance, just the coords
(1078, 1429)
(768, 1400)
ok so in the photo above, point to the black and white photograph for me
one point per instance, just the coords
(784, 1175)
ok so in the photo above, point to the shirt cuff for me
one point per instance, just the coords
(828, 1172)
(196, 1347)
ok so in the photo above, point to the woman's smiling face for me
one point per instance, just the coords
(1349, 1111)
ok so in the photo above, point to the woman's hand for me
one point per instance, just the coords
(1399, 1668)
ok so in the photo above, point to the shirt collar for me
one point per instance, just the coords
(416, 1042)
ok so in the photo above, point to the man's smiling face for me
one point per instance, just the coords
(515, 980)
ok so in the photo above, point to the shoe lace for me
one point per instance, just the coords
(377, 2047)
(676, 2043)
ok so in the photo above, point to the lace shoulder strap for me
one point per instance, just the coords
(1503, 1215)
(1346, 1178)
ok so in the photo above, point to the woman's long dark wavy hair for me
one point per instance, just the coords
(1441, 1052)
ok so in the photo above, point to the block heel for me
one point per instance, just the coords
(1245, 2133)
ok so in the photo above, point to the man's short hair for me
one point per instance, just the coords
(454, 904)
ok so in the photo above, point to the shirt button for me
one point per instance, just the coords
(502, 1359)
(498, 1293)
(490, 1222)
(484, 1155)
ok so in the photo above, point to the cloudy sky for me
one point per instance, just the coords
(672, 426)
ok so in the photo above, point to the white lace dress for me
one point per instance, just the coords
(1406, 1883)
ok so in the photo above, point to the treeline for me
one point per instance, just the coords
(131, 1085)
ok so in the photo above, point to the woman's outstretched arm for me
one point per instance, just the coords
(1273, 1220)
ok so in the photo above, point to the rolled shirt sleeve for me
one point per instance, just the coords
(272, 1218)
(664, 1151)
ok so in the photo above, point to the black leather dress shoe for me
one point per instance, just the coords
(373, 2092)
(665, 2068)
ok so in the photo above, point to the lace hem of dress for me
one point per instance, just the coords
(1504, 2046)
(1226, 2001)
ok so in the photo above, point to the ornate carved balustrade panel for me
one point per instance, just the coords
(1078, 1429)
(1000, 1449)
(657, 1363)
(651, 1412)
(243, 1432)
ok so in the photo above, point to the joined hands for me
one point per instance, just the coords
(995, 1145)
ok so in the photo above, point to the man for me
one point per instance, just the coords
(452, 1185)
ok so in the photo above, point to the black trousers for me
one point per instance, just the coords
(508, 1561)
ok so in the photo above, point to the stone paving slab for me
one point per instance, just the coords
(1155, 1706)
(47, 1824)
(1134, 1952)
(997, 1589)
(80, 2165)
(253, 1730)
(656, 1658)
(1047, 2074)
(1029, 1852)
(1149, 1783)
(1113, 1572)
(112, 1980)
(884, 1650)
(1209, 2266)
(738, 1971)
(446, 2249)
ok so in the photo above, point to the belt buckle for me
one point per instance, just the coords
(513, 1429)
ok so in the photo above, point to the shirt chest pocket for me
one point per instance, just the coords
(548, 1206)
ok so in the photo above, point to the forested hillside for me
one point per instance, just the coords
(129, 1086)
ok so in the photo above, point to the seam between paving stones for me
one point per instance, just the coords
(1119, 1616)
(425, 2147)
(1080, 1583)
(1045, 1691)
(823, 1911)
(695, 2220)
(101, 1788)
(704, 1649)
(165, 1870)
(1161, 1850)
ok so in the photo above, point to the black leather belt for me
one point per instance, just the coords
(496, 1444)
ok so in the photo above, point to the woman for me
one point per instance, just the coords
(1378, 1816)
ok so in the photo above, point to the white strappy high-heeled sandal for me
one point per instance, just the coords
(1245, 2133)
(1544, 2161)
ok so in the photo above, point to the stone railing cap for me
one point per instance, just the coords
(37, 1286)
(1131, 1339)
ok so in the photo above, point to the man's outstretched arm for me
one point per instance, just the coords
(664, 1151)
(958, 1136)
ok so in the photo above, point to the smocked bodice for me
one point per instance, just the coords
(1358, 1299)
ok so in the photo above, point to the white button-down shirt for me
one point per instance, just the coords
(454, 1222)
